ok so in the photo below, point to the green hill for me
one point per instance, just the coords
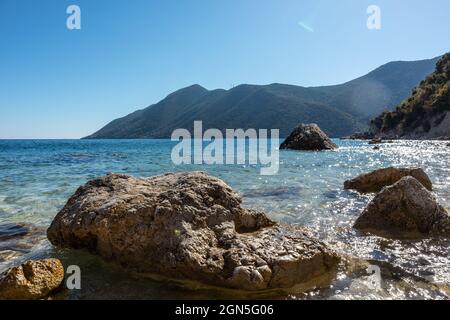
(423, 115)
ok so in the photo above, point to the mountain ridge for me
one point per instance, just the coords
(338, 109)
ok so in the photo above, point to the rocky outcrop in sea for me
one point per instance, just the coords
(404, 209)
(378, 179)
(308, 137)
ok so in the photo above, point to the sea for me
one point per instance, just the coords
(37, 177)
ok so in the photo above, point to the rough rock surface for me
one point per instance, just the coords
(404, 209)
(308, 137)
(188, 226)
(378, 179)
(31, 280)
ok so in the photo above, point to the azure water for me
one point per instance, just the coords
(38, 176)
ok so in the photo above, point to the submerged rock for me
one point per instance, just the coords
(378, 179)
(13, 230)
(31, 280)
(308, 137)
(188, 226)
(18, 239)
(279, 193)
(404, 209)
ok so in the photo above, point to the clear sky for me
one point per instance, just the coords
(60, 83)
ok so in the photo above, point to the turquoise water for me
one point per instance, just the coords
(38, 176)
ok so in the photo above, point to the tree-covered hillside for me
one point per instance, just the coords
(425, 114)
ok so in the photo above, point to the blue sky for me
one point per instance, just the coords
(58, 83)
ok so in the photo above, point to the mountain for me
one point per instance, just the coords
(425, 114)
(339, 110)
(380, 90)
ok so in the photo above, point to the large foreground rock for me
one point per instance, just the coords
(31, 280)
(378, 179)
(308, 137)
(188, 226)
(404, 209)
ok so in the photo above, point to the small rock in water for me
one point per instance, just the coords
(376, 141)
(360, 136)
(31, 280)
(378, 179)
(404, 209)
(17, 239)
(308, 137)
(188, 226)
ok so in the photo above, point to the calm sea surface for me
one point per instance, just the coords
(38, 176)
